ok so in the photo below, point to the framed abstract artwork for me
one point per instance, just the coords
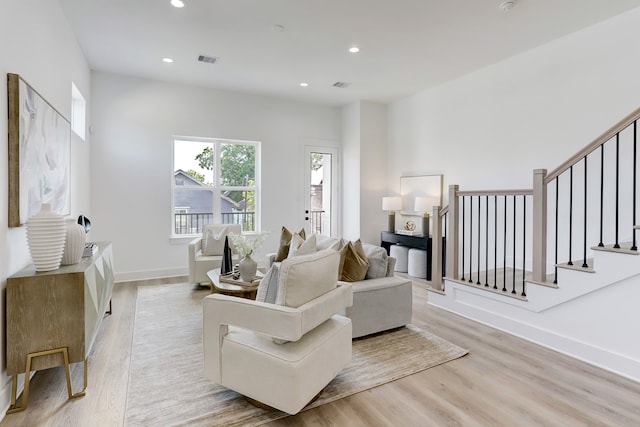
(39, 154)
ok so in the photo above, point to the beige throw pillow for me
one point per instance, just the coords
(285, 242)
(302, 247)
(268, 288)
(306, 277)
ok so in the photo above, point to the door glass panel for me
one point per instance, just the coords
(320, 193)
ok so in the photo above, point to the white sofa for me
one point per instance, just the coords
(379, 303)
(200, 264)
(243, 350)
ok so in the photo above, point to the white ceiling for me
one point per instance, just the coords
(406, 45)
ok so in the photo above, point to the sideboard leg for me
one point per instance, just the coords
(81, 393)
(25, 393)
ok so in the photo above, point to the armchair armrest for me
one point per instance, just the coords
(194, 247)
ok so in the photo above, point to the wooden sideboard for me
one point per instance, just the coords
(53, 317)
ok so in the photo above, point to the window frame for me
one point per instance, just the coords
(217, 188)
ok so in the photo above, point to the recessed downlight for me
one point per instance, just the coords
(177, 3)
(354, 49)
(167, 60)
(304, 84)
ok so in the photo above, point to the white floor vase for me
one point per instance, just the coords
(46, 233)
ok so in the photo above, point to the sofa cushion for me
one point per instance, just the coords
(299, 246)
(353, 262)
(285, 242)
(378, 260)
(213, 240)
(305, 277)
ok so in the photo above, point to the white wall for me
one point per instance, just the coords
(38, 44)
(491, 128)
(134, 120)
(364, 145)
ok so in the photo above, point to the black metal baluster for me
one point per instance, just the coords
(555, 268)
(513, 287)
(486, 241)
(584, 245)
(495, 242)
(601, 193)
(470, 239)
(570, 213)
(479, 205)
(617, 245)
(504, 246)
(463, 218)
(524, 242)
(633, 244)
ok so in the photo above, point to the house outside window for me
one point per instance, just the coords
(214, 181)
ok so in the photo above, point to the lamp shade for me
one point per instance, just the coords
(425, 204)
(391, 203)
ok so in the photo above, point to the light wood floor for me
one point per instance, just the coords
(503, 381)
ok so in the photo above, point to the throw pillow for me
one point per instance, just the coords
(306, 277)
(214, 241)
(354, 262)
(268, 288)
(285, 242)
(378, 260)
(302, 247)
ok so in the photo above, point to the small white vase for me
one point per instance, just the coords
(74, 242)
(248, 268)
(45, 236)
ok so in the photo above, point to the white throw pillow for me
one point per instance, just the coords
(324, 241)
(268, 288)
(302, 247)
(305, 277)
(213, 243)
(378, 260)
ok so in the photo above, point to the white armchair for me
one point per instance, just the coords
(239, 336)
(199, 263)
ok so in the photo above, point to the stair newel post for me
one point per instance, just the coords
(539, 255)
(452, 233)
(436, 250)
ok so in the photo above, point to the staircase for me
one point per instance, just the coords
(549, 263)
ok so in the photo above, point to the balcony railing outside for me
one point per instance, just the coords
(192, 223)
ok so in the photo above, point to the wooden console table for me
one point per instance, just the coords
(53, 317)
(420, 242)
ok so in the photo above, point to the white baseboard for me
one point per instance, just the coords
(150, 274)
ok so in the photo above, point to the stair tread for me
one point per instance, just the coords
(577, 266)
(625, 248)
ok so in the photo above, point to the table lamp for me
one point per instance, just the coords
(424, 204)
(392, 204)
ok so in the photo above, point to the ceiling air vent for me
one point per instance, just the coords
(207, 59)
(341, 85)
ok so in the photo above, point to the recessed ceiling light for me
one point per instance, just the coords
(177, 3)
(304, 84)
(354, 49)
(506, 6)
(167, 60)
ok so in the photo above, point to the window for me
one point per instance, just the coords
(78, 112)
(214, 181)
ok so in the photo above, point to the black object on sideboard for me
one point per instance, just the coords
(420, 242)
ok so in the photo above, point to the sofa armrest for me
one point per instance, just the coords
(271, 258)
(391, 266)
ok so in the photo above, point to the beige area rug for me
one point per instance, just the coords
(166, 382)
